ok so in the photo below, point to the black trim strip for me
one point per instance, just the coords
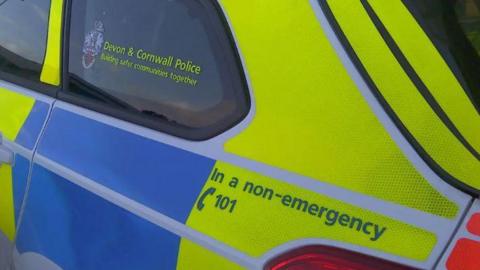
(417, 81)
(391, 113)
(67, 14)
(469, 80)
(34, 86)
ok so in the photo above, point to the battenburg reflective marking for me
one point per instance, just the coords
(310, 117)
(51, 66)
(162, 177)
(409, 106)
(169, 180)
(14, 110)
(7, 221)
(254, 213)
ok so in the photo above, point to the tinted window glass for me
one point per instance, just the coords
(166, 59)
(454, 27)
(23, 37)
(468, 13)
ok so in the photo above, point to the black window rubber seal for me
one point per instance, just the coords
(442, 173)
(160, 125)
(34, 86)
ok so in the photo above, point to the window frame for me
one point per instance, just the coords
(241, 90)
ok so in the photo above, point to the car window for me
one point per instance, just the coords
(454, 27)
(23, 37)
(169, 60)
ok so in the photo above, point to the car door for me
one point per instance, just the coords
(20, 135)
(106, 192)
(26, 82)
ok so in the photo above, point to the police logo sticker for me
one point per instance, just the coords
(92, 45)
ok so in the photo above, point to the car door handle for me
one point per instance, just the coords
(6, 155)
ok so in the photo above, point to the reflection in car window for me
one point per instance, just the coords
(23, 37)
(468, 12)
(163, 58)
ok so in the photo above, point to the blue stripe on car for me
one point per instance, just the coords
(27, 137)
(80, 231)
(159, 176)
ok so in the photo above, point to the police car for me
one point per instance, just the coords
(239, 134)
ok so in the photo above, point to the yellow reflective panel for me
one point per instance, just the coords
(310, 117)
(195, 257)
(51, 66)
(14, 110)
(402, 95)
(254, 214)
(431, 67)
(7, 216)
